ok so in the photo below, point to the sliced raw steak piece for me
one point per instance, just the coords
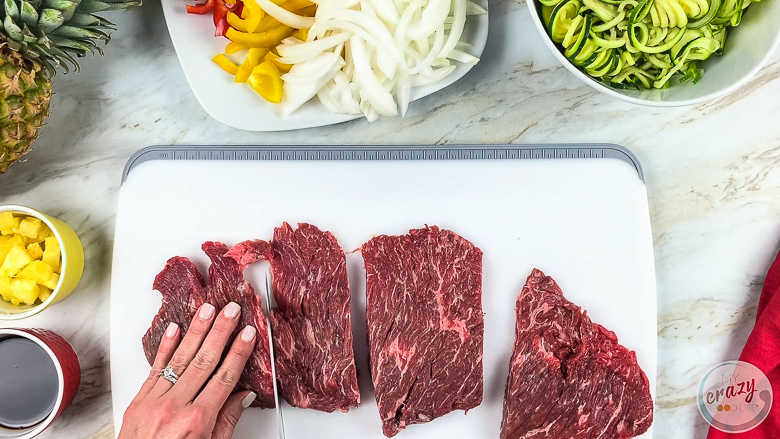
(568, 377)
(424, 324)
(184, 290)
(311, 323)
(226, 284)
(181, 285)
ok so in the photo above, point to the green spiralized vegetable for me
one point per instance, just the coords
(641, 43)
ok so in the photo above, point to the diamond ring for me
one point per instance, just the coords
(169, 374)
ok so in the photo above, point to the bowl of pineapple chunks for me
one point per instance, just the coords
(41, 261)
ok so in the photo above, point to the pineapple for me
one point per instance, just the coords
(35, 250)
(36, 37)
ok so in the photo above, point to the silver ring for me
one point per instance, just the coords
(169, 375)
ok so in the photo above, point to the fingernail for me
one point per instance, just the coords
(248, 400)
(171, 331)
(231, 310)
(206, 311)
(248, 334)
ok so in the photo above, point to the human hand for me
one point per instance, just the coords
(199, 405)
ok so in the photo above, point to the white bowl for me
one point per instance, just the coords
(748, 47)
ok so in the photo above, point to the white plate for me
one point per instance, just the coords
(748, 48)
(237, 106)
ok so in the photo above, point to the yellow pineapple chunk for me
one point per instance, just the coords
(37, 271)
(35, 250)
(30, 258)
(29, 227)
(24, 291)
(7, 243)
(17, 223)
(17, 259)
(44, 233)
(6, 223)
(52, 283)
(51, 253)
(5, 287)
(44, 294)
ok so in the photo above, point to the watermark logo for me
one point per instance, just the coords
(735, 397)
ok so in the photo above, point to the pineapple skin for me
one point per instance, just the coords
(25, 98)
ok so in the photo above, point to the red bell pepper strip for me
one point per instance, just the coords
(220, 10)
(220, 18)
(204, 8)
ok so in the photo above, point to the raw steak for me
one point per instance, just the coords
(181, 286)
(311, 323)
(424, 324)
(568, 377)
(184, 290)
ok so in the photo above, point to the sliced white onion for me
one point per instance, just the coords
(295, 53)
(365, 56)
(438, 75)
(458, 22)
(433, 15)
(370, 88)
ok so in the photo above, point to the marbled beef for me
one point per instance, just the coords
(568, 377)
(425, 325)
(312, 330)
(184, 290)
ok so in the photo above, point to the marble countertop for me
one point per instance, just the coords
(711, 172)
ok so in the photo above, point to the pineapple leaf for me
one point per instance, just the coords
(46, 59)
(76, 46)
(80, 33)
(29, 37)
(11, 10)
(83, 20)
(29, 14)
(67, 7)
(13, 45)
(13, 31)
(50, 20)
(90, 6)
(57, 55)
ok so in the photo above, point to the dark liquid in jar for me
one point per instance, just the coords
(28, 383)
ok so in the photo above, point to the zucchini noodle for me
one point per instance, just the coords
(641, 44)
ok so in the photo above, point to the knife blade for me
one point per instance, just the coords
(278, 409)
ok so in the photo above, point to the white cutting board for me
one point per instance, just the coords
(584, 222)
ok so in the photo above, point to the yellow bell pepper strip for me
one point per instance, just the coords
(274, 58)
(265, 39)
(308, 11)
(252, 20)
(236, 22)
(266, 24)
(294, 5)
(301, 34)
(225, 63)
(253, 57)
(267, 82)
(233, 48)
